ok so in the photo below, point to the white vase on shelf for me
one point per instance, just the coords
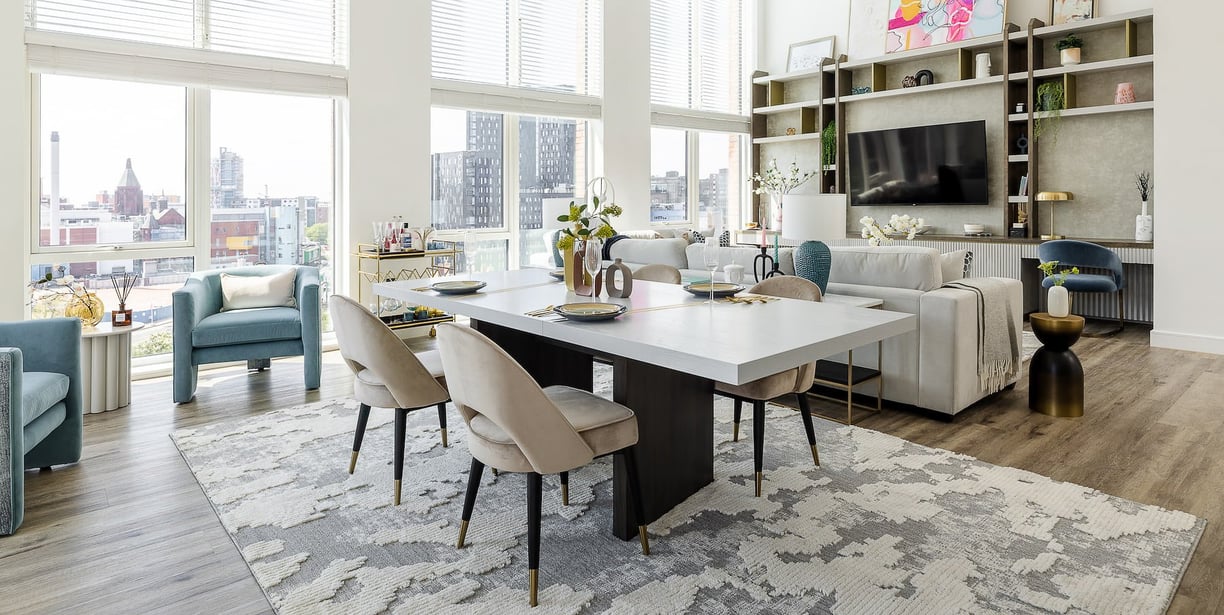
(1058, 302)
(1143, 224)
(775, 212)
(1070, 57)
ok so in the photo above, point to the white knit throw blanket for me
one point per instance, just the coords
(998, 349)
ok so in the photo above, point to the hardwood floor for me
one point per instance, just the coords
(128, 530)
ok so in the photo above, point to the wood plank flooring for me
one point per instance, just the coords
(128, 530)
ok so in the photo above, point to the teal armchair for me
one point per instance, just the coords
(40, 405)
(204, 334)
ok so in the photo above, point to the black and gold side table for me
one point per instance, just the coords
(1056, 378)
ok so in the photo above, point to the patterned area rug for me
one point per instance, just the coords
(884, 526)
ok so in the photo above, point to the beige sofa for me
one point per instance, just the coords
(934, 367)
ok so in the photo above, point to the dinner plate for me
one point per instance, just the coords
(457, 287)
(721, 289)
(590, 311)
(558, 274)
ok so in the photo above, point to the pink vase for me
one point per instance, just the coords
(1125, 94)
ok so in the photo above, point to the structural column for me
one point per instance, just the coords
(626, 109)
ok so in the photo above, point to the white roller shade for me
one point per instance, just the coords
(696, 54)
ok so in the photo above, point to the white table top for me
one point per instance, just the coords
(104, 329)
(666, 326)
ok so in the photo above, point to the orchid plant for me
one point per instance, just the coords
(897, 225)
(51, 290)
(773, 182)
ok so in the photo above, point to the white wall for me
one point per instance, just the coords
(1189, 157)
(14, 160)
(626, 111)
(859, 25)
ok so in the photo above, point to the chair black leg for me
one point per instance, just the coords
(629, 456)
(534, 497)
(565, 488)
(363, 416)
(739, 407)
(469, 498)
(442, 422)
(401, 425)
(1121, 310)
(806, 411)
(758, 440)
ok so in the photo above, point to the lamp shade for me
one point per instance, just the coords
(818, 217)
(1054, 196)
(554, 207)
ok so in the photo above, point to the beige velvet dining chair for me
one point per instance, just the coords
(658, 272)
(795, 381)
(517, 426)
(386, 374)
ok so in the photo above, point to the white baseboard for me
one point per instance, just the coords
(1186, 341)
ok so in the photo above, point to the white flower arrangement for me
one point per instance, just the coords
(897, 225)
(774, 183)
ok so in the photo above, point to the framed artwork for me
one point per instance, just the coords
(808, 54)
(914, 24)
(1064, 11)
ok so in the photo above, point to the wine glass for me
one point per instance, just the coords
(469, 252)
(592, 260)
(709, 255)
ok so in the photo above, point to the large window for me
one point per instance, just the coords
(713, 196)
(668, 175)
(113, 163)
(466, 153)
(696, 54)
(720, 179)
(552, 168)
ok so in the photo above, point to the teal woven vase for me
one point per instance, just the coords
(812, 261)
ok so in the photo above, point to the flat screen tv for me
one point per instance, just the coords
(943, 164)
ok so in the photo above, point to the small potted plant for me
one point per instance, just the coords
(1069, 49)
(1057, 299)
(1051, 100)
(1143, 221)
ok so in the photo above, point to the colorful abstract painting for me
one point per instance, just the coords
(914, 24)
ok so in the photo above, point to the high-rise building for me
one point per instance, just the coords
(129, 197)
(226, 180)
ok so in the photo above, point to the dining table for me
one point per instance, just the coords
(667, 349)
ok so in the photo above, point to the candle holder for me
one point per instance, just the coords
(764, 266)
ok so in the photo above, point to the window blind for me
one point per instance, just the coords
(696, 54)
(303, 30)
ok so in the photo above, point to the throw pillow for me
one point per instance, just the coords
(646, 234)
(251, 291)
(724, 240)
(955, 265)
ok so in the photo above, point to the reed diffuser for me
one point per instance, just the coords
(123, 284)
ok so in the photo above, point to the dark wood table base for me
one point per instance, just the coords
(675, 414)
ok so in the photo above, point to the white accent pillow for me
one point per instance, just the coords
(255, 291)
(952, 264)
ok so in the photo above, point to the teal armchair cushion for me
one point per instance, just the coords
(40, 391)
(248, 326)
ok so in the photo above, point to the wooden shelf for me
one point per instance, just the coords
(1018, 158)
(786, 138)
(421, 323)
(1097, 110)
(795, 76)
(983, 42)
(923, 89)
(1088, 67)
(1017, 199)
(795, 106)
(1087, 25)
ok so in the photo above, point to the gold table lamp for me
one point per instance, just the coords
(1052, 198)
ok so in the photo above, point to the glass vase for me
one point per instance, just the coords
(87, 307)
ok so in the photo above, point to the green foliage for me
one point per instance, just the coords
(317, 233)
(1050, 268)
(828, 144)
(1051, 99)
(1070, 41)
(161, 342)
(588, 220)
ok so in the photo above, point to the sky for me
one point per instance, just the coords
(285, 141)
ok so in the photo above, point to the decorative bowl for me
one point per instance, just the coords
(721, 289)
(457, 287)
(590, 311)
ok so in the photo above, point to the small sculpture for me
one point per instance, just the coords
(626, 276)
(790, 132)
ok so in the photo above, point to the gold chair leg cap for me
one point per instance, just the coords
(815, 456)
(397, 492)
(495, 472)
(645, 540)
(533, 583)
(758, 484)
(462, 534)
(353, 462)
(735, 432)
(444, 442)
(565, 495)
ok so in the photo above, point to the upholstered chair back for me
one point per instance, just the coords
(486, 381)
(658, 273)
(366, 343)
(1071, 253)
(792, 287)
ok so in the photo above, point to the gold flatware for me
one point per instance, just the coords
(540, 312)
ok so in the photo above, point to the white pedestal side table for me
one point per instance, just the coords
(106, 366)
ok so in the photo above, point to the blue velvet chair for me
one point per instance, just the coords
(40, 405)
(204, 334)
(1085, 255)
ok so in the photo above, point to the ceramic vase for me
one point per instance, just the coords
(1070, 56)
(1058, 302)
(775, 212)
(1143, 224)
(1125, 94)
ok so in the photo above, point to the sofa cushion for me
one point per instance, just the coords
(740, 255)
(247, 326)
(40, 391)
(647, 251)
(954, 264)
(258, 291)
(893, 266)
